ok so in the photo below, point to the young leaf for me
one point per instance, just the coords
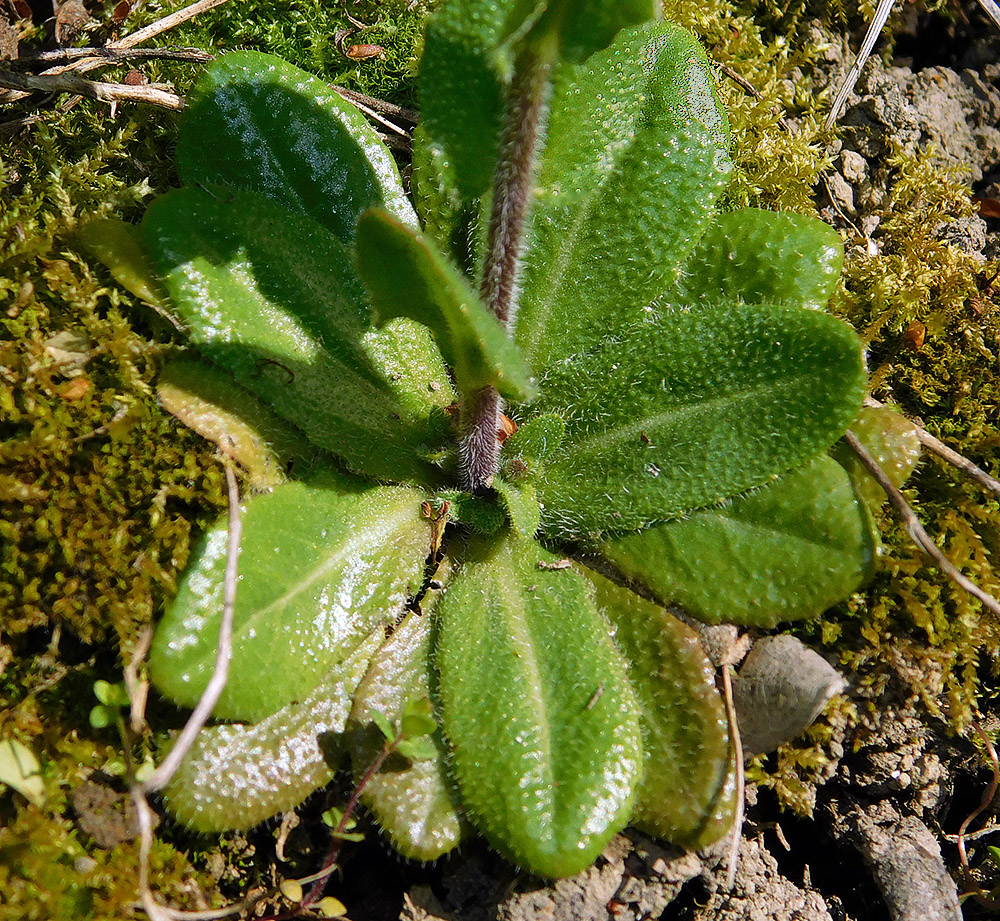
(407, 277)
(527, 449)
(322, 565)
(272, 297)
(414, 803)
(461, 90)
(237, 776)
(578, 27)
(693, 408)
(688, 792)
(206, 399)
(625, 190)
(785, 551)
(547, 776)
(256, 122)
(119, 246)
(763, 257)
(521, 504)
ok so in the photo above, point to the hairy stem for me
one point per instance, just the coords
(523, 131)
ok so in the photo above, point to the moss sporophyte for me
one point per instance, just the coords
(676, 387)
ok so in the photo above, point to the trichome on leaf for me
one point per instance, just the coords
(676, 389)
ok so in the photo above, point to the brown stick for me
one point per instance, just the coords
(107, 92)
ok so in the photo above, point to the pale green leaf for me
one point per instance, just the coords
(119, 246)
(20, 770)
(257, 122)
(206, 399)
(237, 776)
(688, 790)
(693, 408)
(407, 277)
(322, 565)
(763, 257)
(521, 503)
(785, 551)
(274, 298)
(628, 183)
(546, 767)
(413, 802)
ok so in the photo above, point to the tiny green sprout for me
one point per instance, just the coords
(113, 700)
(558, 359)
(344, 830)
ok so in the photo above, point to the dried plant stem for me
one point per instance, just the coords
(111, 55)
(961, 838)
(523, 133)
(938, 447)
(223, 653)
(107, 92)
(733, 855)
(915, 529)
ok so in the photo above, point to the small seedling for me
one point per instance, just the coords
(423, 596)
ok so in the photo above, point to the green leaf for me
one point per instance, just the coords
(419, 748)
(119, 246)
(578, 27)
(521, 503)
(407, 277)
(206, 399)
(693, 408)
(237, 776)
(688, 790)
(256, 122)
(418, 717)
(785, 551)
(462, 91)
(547, 777)
(479, 513)
(891, 439)
(443, 215)
(413, 801)
(383, 724)
(628, 183)
(322, 565)
(274, 298)
(763, 257)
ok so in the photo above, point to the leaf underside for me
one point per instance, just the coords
(413, 801)
(539, 717)
(785, 551)
(322, 565)
(238, 776)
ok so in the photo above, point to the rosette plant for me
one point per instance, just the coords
(565, 359)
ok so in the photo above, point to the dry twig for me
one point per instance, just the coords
(915, 529)
(150, 94)
(976, 891)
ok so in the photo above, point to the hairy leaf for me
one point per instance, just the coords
(274, 298)
(693, 408)
(237, 776)
(785, 551)
(538, 713)
(688, 791)
(629, 180)
(257, 122)
(521, 504)
(407, 277)
(322, 565)
(763, 257)
(119, 246)
(414, 802)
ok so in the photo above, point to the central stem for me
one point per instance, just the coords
(523, 130)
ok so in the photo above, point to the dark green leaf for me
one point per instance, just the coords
(628, 183)
(688, 790)
(763, 257)
(413, 802)
(256, 122)
(481, 514)
(546, 772)
(322, 565)
(788, 550)
(526, 450)
(237, 776)
(693, 408)
(274, 298)
(407, 277)
(206, 399)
